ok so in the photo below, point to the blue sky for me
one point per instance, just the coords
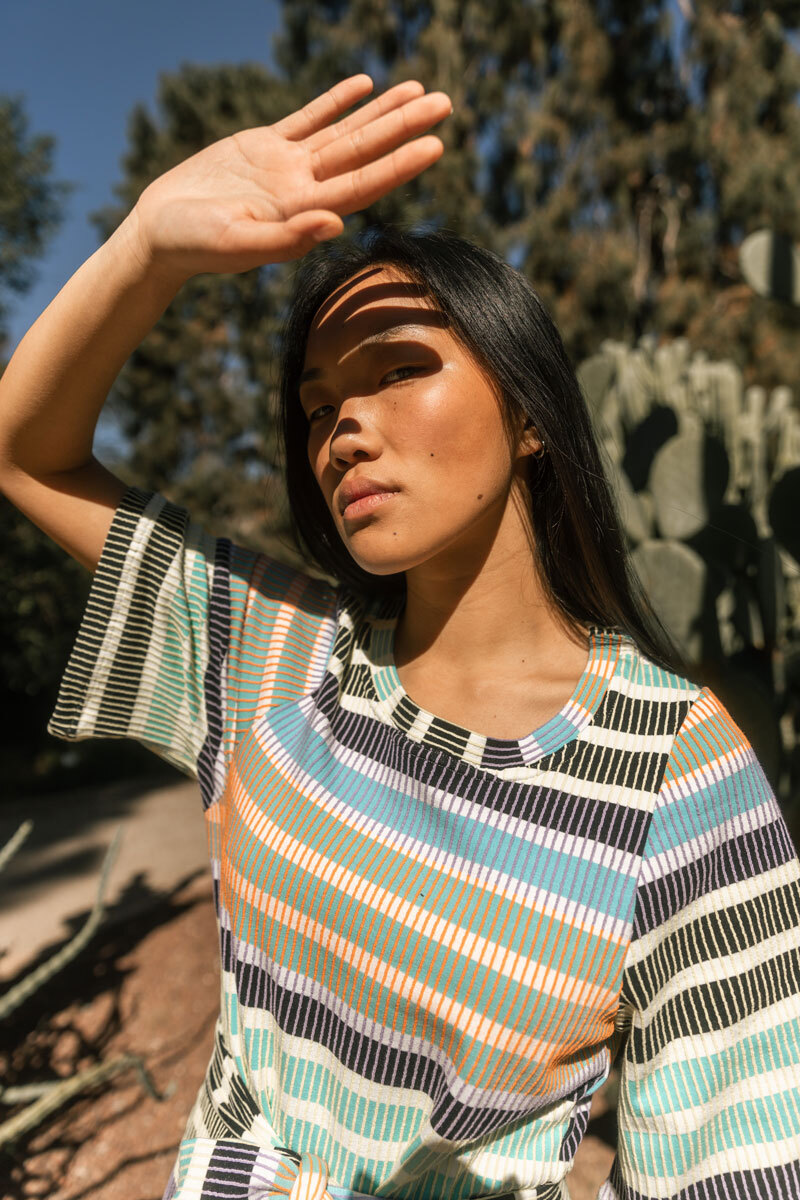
(81, 65)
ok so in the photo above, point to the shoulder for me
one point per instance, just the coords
(707, 760)
(706, 745)
(647, 678)
(716, 815)
(261, 579)
(644, 698)
(709, 740)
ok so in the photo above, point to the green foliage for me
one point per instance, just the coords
(31, 203)
(617, 163)
(42, 595)
(617, 156)
(41, 590)
(197, 398)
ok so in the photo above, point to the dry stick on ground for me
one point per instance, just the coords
(14, 842)
(52, 1096)
(64, 1089)
(31, 983)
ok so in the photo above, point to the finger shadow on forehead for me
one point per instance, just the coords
(399, 287)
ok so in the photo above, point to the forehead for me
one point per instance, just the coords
(375, 300)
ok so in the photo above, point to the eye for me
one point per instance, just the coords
(313, 414)
(394, 370)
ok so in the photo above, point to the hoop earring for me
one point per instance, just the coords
(540, 453)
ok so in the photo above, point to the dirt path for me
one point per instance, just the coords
(55, 874)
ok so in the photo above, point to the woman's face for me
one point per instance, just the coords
(391, 396)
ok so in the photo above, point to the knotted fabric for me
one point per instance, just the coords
(303, 1177)
(208, 1168)
(238, 1155)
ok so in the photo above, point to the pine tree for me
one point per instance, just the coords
(31, 204)
(42, 591)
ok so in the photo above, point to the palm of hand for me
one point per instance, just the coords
(266, 194)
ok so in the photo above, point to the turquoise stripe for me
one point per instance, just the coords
(378, 935)
(515, 925)
(703, 809)
(533, 1009)
(699, 1080)
(399, 813)
(665, 1155)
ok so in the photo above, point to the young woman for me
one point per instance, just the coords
(474, 833)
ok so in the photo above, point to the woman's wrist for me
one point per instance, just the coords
(130, 244)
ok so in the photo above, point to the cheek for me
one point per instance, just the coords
(456, 436)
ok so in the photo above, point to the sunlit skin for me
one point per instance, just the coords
(476, 642)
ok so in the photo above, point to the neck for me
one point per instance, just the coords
(460, 617)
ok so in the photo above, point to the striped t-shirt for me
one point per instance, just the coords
(435, 944)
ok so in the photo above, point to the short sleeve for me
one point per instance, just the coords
(185, 638)
(709, 1102)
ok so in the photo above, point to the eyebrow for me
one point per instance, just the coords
(385, 335)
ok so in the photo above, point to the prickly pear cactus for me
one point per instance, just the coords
(707, 477)
(770, 263)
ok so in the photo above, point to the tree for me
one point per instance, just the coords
(616, 153)
(42, 591)
(31, 203)
(196, 399)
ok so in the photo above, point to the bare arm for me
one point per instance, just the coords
(263, 195)
(53, 390)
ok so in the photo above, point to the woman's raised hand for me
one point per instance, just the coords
(269, 194)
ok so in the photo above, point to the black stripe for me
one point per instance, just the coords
(747, 856)
(707, 1006)
(100, 603)
(122, 685)
(219, 625)
(387, 1066)
(760, 1183)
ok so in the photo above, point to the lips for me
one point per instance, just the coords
(356, 489)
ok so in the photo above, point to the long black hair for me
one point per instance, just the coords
(580, 551)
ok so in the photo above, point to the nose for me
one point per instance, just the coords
(352, 441)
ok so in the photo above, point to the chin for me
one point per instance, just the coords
(382, 564)
(391, 564)
(381, 568)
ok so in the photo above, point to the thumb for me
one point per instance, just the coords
(317, 224)
(259, 242)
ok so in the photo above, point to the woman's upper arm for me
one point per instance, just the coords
(710, 1079)
(75, 508)
(186, 638)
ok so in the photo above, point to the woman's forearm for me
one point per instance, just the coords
(54, 387)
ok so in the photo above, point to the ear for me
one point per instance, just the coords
(529, 441)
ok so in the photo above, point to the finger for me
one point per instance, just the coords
(358, 189)
(380, 136)
(385, 103)
(322, 110)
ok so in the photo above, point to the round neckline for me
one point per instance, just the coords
(397, 708)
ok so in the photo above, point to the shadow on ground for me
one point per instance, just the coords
(138, 910)
(65, 817)
(120, 995)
